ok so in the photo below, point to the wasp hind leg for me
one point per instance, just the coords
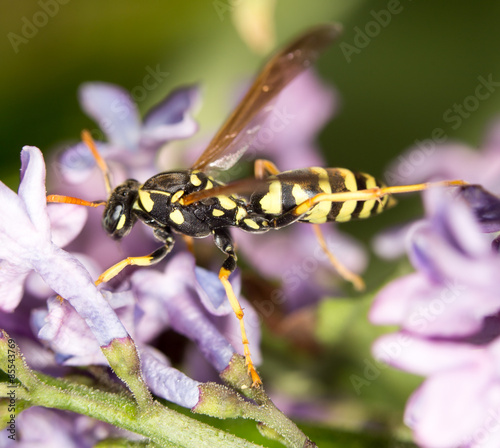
(222, 239)
(345, 273)
(145, 260)
(264, 168)
(369, 194)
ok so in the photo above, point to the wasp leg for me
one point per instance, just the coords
(189, 243)
(345, 273)
(145, 260)
(264, 168)
(369, 194)
(222, 239)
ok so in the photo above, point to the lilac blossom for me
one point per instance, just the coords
(130, 151)
(131, 145)
(186, 298)
(52, 428)
(26, 245)
(451, 160)
(430, 161)
(447, 312)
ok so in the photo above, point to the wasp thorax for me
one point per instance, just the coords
(118, 218)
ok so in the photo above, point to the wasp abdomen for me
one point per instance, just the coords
(288, 189)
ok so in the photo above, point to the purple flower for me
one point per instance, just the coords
(428, 161)
(448, 314)
(195, 305)
(26, 245)
(131, 147)
(450, 160)
(47, 428)
(188, 299)
(131, 152)
(458, 403)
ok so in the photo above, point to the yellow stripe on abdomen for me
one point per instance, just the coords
(319, 213)
(348, 207)
(368, 205)
(271, 202)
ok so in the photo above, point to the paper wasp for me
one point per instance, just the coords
(193, 203)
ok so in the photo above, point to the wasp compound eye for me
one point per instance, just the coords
(118, 218)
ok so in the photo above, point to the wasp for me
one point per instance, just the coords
(194, 204)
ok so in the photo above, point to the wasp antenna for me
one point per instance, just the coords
(71, 200)
(89, 141)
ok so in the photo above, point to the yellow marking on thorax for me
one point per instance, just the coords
(319, 213)
(195, 180)
(146, 201)
(217, 212)
(226, 202)
(240, 214)
(348, 207)
(177, 195)
(177, 217)
(209, 185)
(368, 205)
(250, 223)
(271, 202)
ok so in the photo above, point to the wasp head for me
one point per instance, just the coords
(118, 218)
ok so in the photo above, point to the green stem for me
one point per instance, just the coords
(223, 402)
(161, 425)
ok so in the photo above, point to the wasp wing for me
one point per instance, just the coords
(237, 133)
(248, 186)
(237, 187)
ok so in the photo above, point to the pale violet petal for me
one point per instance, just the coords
(167, 382)
(114, 111)
(32, 188)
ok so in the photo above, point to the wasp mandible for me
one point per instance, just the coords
(194, 204)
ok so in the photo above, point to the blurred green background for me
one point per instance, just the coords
(393, 91)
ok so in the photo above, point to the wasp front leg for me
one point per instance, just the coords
(222, 239)
(163, 234)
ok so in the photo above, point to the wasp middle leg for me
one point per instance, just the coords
(223, 241)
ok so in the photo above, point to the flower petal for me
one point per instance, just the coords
(114, 110)
(68, 335)
(485, 206)
(171, 119)
(212, 293)
(441, 417)
(185, 312)
(67, 221)
(167, 382)
(424, 356)
(12, 279)
(301, 110)
(76, 163)
(67, 277)
(32, 188)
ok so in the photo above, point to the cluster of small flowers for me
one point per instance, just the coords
(448, 310)
(53, 333)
